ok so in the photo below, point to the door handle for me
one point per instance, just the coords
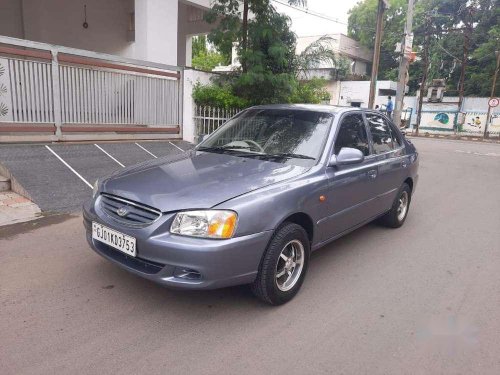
(372, 173)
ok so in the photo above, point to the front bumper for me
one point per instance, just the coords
(164, 258)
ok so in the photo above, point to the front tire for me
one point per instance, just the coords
(283, 266)
(396, 217)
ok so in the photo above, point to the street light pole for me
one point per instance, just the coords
(492, 94)
(403, 66)
(376, 52)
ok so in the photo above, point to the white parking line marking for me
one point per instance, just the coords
(150, 153)
(176, 146)
(69, 166)
(478, 153)
(100, 148)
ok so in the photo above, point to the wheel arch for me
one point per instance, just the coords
(302, 219)
(409, 181)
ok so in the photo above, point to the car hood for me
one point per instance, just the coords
(195, 179)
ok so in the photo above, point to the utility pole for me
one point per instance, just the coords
(244, 37)
(376, 52)
(467, 36)
(492, 94)
(403, 65)
(424, 71)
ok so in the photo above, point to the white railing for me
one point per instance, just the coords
(46, 84)
(209, 119)
(97, 96)
(31, 90)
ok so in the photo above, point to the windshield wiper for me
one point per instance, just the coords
(290, 155)
(231, 149)
(225, 147)
(282, 155)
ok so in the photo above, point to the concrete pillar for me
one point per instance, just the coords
(189, 50)
(156, 30)
(188, 124)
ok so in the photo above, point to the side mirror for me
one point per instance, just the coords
(347, 156)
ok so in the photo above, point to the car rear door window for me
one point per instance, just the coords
(380, 130)
(396, 139)
(352, 133)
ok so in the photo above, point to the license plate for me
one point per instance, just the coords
(113, 238)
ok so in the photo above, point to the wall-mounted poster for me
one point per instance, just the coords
(441, 121)
(476, 121)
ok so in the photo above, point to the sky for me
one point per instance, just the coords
(308, 25)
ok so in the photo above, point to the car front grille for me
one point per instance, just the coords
(128, 212)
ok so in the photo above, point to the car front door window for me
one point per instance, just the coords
(352, 133)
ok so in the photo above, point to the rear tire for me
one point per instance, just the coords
(283, 266)
(396, 217)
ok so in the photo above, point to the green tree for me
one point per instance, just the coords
(208, 61)
(310, 91)
(231, 29)
(199, 45)
(270, 68)
(361, 27)
(486, 40)
(447, 19)
(483, 64)
(269, 58)
(217, 95)
(204, 58)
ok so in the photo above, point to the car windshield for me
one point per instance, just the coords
(281, 135)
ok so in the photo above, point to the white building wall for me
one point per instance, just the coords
(190, 23)
(348, 92)
(353, 49)
(11, 18)
(61, 22)
(477, 105)
(191, 77)
(156, 30)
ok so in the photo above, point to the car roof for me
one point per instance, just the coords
(310, 107)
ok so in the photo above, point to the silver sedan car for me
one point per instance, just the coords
(251, 202)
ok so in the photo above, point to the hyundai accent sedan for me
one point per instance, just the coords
(251, 202)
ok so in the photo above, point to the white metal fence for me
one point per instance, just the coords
(47, 84)
(31, 91)
(92, 96)
(209, 119)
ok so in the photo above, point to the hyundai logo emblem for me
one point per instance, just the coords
(122, 211)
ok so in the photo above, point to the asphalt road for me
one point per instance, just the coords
(422, 299)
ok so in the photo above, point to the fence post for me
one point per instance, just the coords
(181, 102)
(56, 94)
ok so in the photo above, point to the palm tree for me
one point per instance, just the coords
(320, 51)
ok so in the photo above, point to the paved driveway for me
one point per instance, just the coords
(423, 299)
(59, 177)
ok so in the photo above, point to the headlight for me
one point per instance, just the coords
(207, 224)
(95, 189)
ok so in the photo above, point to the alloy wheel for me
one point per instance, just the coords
(289, 266)
(402, 205)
